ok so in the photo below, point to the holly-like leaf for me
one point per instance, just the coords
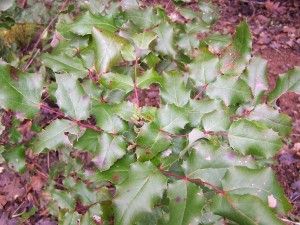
(125, 110)
(204, 68)
(186, 203)
(248, 137)
(142, 18)
(116, 174)
(85, 23)
(65, 63)
(196, 109)
(217, 42)
(137, 195)
(210, 162)
(152, 140)
(278, 122)
(231, 90)
(107, 48)
(172, 118)
(258, 182)
(237, 55)
(218, 120)
(149, 77)
(244, 209)
(117, 81)
(71, 97)
(143, 40)
(63, 199)
(173, 89)
(19, 91)
(256, 77)
(16, 158)
(53, 137)
(106, 148)
(288, 82)
(188, 42)
(165, 40)
(107, 120)
(128, 52)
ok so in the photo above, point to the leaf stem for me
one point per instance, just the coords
(201, 91)
(174, 135)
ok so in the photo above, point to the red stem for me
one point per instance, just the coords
(216, 133)
(71, 119)
(201, 91)
(246, 112)
(174, 135)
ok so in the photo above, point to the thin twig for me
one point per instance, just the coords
(174, 135)
(201, 91)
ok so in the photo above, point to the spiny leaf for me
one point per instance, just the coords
(125, 110)
(152, 140)
(107, 48)
(19, 91)
(232, 90)
(142, 18)
(256, 77)
(217, 42)
(143, 40)
(64, 199)
(173, 89)
(106, 148)
(71, 97)
(137, 195)
(237, 55)
(172, 118)
(65, 63)
(149, 77)
(248, 137)
(107, 120)
(287, 82)
(218, 120)
(244, 209)
(279, 122)
(53, 137)
(210, 162)
(188, 42)
(16, 158)
(186, 203)
(85, 23)
(204, 68)
(258, 182)
(165, 40)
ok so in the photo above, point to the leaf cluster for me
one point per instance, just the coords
(200, 158)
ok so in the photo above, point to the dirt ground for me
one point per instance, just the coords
(275, 27)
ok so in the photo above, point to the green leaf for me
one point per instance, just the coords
(19, 91)
(186, 203)
(65, 63)
(143, 19)
(217, 42)
(210, 162)
(258, 182)
(6, 4)
(237, 55)
(86, 195)
(248, 137)
(107, 48)
(85, 23)
(173, 89)
(117, 81)
(204, 68)
(172, 118)
(256, 77)
(116, 174)
(106, 148)
(143, 40)
(165, 40)
(64, 199)
(126, 110)
(279, 122)
(137, 195)
(288, 82)
(53, 137)
(196, 109)
(151, 141)
(16, 158)
(128, 52)
(71, 97)
(188, 42)
(231, 90)
(107, 120)
(218, 120)
(69, 218)
(244, 209)
(149, 77)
